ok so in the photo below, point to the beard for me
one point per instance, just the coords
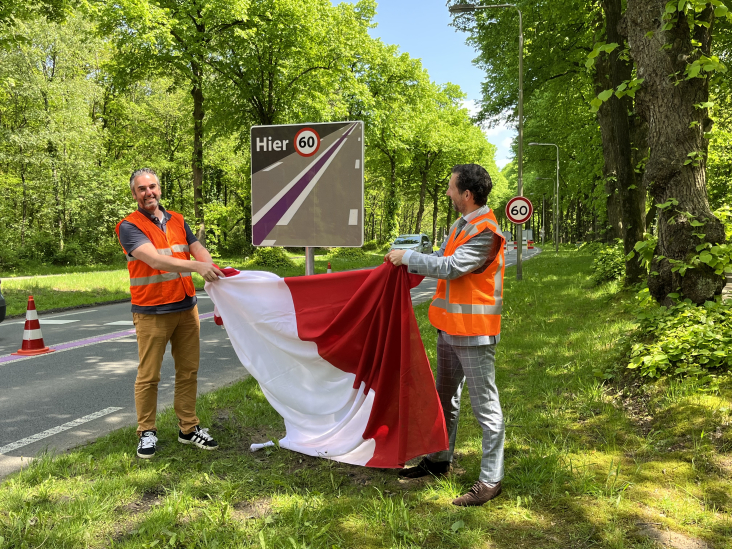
(454, 206)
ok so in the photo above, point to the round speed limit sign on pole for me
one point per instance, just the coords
(519, 210)
(307, 142)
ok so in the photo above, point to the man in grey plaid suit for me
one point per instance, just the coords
(474, 250)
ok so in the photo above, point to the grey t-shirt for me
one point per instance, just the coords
(132, 238)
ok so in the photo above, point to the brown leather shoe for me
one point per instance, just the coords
(426, 467)
(478, 495)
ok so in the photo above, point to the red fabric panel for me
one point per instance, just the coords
(363, 323)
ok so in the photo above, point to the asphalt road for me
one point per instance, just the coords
(300, 196)
(92, 371)
(84, 389)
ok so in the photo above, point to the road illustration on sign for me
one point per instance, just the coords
(307, 184)
(519, 210)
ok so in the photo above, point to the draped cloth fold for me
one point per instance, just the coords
(340, 357)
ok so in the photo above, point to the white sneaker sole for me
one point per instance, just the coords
(197, 444)
(145, 456)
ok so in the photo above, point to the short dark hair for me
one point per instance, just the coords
(474, 178)
(142, 171)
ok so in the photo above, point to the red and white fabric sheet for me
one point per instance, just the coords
(340, 357)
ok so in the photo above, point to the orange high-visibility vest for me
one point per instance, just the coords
(471, 305)
(148, 286)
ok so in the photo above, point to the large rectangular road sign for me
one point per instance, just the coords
(307, 184)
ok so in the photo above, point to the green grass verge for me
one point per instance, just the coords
(74, 289)
(44, 269)
(586, 464)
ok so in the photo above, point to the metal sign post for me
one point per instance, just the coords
(307, 186)
(309, 260)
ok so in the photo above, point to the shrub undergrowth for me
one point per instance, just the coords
(346, 253)
(271, 257)
(609, 263)
(685, 340)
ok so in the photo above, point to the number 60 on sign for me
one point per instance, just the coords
(519, 210)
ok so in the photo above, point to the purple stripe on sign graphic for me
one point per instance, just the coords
(263, 227)
(84, 342)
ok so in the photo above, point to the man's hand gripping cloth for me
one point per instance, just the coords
(340, 357)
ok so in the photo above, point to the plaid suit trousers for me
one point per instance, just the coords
(476, 364)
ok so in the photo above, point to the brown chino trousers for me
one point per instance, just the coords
(153, 334)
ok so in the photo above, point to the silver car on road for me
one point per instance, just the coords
(417, 242)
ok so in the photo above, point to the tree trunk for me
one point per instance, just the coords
(676, 128)
(435, 211)
(391, 205)
(197, 164)
(609, 152)
(632, 195)
(420, 211)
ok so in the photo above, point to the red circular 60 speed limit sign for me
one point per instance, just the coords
(307, 142)
(519, 210)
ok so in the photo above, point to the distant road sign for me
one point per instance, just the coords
(519, 210)
(307, 184)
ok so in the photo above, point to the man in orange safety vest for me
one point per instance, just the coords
(158, 245)
(466, 310)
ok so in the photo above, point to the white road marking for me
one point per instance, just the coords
(271, 167)
(359, 139)
(292, 210)
(353, 217)
(199, 296)
(268, 242)
(55, 316)
(358, 164)
(53, 321)
(61, 428)
(275, 199)
(121, 323)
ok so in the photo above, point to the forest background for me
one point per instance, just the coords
(635, 94)
(93, 91)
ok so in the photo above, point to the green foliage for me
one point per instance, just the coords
(609, 263)
(724, 214)
(347, 253)
(272, 258)
(370, 246)
(645, 248)
(685, 340)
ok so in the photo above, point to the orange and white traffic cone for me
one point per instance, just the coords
(329, 270)
(32, 337)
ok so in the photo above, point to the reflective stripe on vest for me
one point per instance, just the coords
(145, 280)
(164, 251)
(472, 304)
(152, 287)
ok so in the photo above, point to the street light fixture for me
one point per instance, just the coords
(556, 194)
(469, 8)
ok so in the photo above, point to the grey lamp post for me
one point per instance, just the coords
(469, 8)
(556, 194)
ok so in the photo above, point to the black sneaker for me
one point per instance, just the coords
(199, 437)
(146, 446)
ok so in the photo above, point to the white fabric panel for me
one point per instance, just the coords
(324, 415)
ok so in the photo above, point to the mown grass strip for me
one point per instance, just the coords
(586, 464)
(77, 289)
